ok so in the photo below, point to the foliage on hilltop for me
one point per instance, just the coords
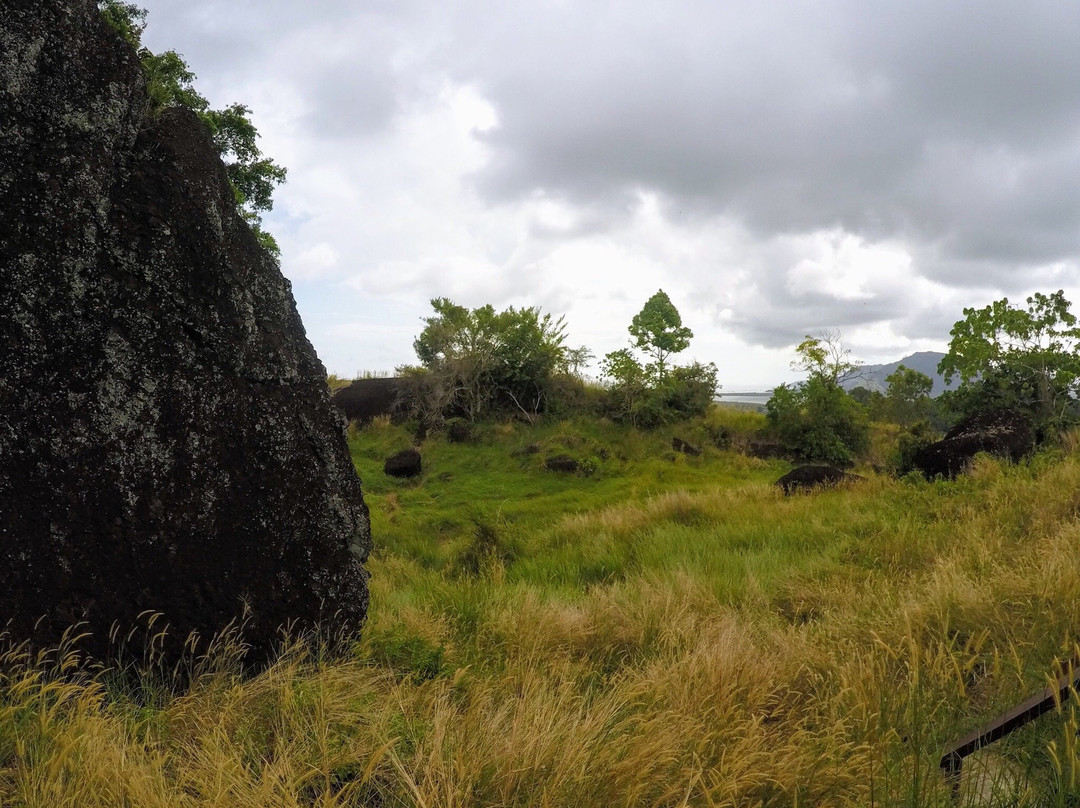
(171, 83)
(1014, 357)
(647, 394)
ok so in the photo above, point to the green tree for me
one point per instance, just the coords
(907, 399)
(817, 420)
(648, 395)
(127, 18)
(658, 330)
(491, 360)
(629, 384)
(170, 83)
(1009, 356)
(825, 357)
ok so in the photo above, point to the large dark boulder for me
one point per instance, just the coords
(167, 440)
(406, 463)
(1003, 433)
(562, 463)
(814, 476)
(365, 399)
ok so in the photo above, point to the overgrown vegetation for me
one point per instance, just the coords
(476, 362)
(669, 631)
(480, 363)
(817, 419)
(650, 394)
(170, 83)
(1006, 357)
(1020, 358)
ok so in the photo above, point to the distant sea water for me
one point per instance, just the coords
(744, 398)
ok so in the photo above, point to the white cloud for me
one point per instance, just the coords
(777, 168)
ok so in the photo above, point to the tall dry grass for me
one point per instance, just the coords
(835, 683)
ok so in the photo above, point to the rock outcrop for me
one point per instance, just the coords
(1003, 433)
(563, 464)
(406, 464)
(804, 478)
(679, 445)
(167, 440)
(366, 399)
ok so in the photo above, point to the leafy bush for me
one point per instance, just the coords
(818, 421)
(482, 361)
(1012, 357)
(646, 401)
(910, 442)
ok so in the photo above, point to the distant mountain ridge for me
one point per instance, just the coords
(873, 377)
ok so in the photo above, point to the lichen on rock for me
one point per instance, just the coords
(167, 440)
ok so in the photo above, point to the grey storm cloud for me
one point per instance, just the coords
(954, 124)
(947, 124)
(949, 130)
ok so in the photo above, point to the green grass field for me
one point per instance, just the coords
(662, 630)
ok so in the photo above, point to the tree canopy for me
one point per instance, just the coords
(824, 357)
(170, 83)
(1012, 356)
(658, 330)
(817, 419)
(488, 359)
(907, 400)
(648, 395)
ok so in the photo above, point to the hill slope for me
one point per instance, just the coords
(873, 377)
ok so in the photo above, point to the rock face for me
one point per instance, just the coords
(807, 477)
(1004, 433)
(406, 463)
(365, 399)
(562, 463)
(458, 430)
(679, 445)
(167, 439)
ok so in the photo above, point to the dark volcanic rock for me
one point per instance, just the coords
(562, 463)
(1003, 433)
(167, 439)
(405, 463)
(458, 430)
(366, 399)
(806, 477)
(679, 445)
(763, 449)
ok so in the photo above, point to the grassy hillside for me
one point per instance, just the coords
(662, 630)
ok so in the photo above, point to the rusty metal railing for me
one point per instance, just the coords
(952, 761)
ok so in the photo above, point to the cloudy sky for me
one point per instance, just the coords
(777, 167)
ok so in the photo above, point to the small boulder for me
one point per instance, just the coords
(405, 463)
(458, 430)
(562, 463)
(1003, 433)
(679, 445)
(763, 449)
(808, 477)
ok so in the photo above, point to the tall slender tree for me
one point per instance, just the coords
(658, 330)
